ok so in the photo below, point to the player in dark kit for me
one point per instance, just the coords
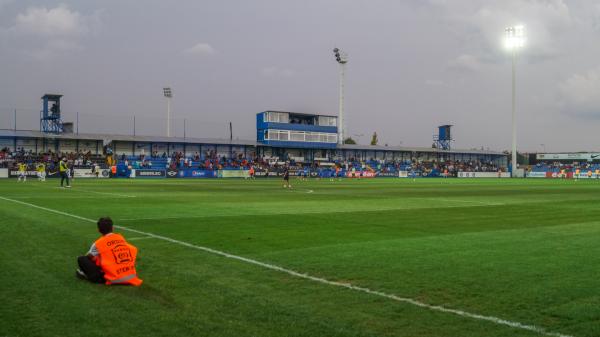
(286, 178)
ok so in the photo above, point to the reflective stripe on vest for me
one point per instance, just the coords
(124, 279)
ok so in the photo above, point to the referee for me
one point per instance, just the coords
(64, 174)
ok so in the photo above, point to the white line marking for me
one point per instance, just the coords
(483, 203)
(440, 308)
(380, 209)
(104, 193)
(140, 238)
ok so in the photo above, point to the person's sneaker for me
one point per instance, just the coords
(68, 186)
(80, 274)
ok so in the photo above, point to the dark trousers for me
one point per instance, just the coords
(63, 176)
(90, 269)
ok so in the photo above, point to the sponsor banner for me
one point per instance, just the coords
(150, 173)
(172, 173)
(191, 173)
(3, 173)
(360, 174)
(386, 174)
(584, 175)
(233, 174)
(15, 173)
(402, 174)
(87, 173)
(536, 174)
(559, 175)
(483, 175)
(568, 156)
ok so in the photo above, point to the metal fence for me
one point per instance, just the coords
(127, 124)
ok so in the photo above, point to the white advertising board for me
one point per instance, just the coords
(3, 173)
(87, 173)
(568, 156)
(483, 175)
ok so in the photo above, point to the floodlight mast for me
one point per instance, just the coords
(169, 95)
(342, 59)
(515, 39)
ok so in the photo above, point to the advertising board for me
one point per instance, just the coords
(568, 156)
(150, 173)
(360, 174)
(3, 173)
(15, 173)
(192, 173)
(87, 173)
(483, 175)
(233, 174)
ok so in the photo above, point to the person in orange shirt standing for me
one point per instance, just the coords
(110, 260)
(251, 172)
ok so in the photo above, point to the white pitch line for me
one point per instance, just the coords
(496, 320)
(464, 201)
(140, 238)
(104, 193)
(380, 209)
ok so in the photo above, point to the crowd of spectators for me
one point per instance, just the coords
(210, 160)
(9, 159)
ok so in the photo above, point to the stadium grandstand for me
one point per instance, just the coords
(299, 141)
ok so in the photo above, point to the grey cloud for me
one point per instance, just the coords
(42, 32)
(580, 94)
(200, 49)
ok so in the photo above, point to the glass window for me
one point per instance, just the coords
(297, 136)
(276, 117)
(327, 121)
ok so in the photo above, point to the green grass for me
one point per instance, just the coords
(527, 251)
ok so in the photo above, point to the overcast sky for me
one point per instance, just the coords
(413, 65)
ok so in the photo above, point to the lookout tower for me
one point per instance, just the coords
(50, 120)
(444, 138)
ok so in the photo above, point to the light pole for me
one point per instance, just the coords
(342, 59)
(169, 95)
(515, 39)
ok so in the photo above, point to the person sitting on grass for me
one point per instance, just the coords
(110, 260)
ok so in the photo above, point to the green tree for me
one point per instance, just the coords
(374, 139)
(349, 140)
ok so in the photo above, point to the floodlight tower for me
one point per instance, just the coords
(342, 59)
(169, 95)
(515, 39)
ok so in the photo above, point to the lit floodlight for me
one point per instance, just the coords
(515, 37)
(167, 92)
(514, 40)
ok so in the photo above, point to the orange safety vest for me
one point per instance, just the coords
(117, 260)
(113, 169)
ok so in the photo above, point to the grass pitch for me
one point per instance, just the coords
(526, 251)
